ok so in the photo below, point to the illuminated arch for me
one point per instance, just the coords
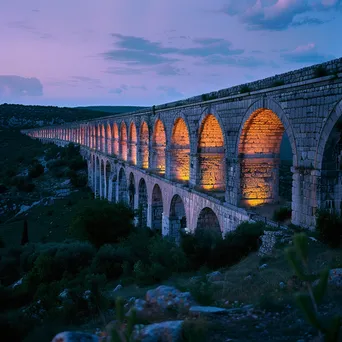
(123, 141)
(211, 155)
(144, 144)
(109, 139)
(259, 154)
(207, 220)
(115, 139)
(133, 143)
(158, 147)
(180, 151)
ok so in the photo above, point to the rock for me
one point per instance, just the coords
(119, 287)
(335, 277)
(215, 276)
(159, 332)
(75, 336)
(17, 283)
(64, 294)
(67, 182)
(281, 284)
(249, 277)
(206, 310)
(86, 294)
(263, 266)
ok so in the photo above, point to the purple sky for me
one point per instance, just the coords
(145, 52)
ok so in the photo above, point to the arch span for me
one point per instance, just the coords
(144, 145)
(207, 220)
(123, 193)
(211, 155)
(131, 191)
(123, 141)
(157, 208)
(158, 147)
(133, 143)
(143, 204)
(180, 151)
(109, 139)
(177, 218)
(115, 139)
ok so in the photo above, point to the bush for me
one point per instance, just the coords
(77, 163)
(282, 214)
(329, 228)
(22, 183)
(244, 89)
(36, 170)
(210, 249)
(79, 181)
(103, 223)
(320, 71)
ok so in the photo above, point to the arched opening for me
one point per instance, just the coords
(108, 185)
(114, 181)
(102, 181)
(131, 191)
(211, 156)
(157, 209)
(208, 221)
(330, 189)
(180, 151)
(109, 140)
(115, 139)
(133, 143)
(158, 148)
(99, 138)
(123, 193)
(144, 145)
(143, 204)
(123, 141)
(97, 177)
(259, 157)
(177, 218)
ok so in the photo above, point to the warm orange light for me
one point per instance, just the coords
(123, 141)
(159, 144)
(144, 142)
(133, 143)
(211, 155)
(116, 139)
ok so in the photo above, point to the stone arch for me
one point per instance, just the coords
(108, 176)
(211, 160)
(207, 220)
(123, 141)
(133, 143)
(103, 138)
(102, 179)
(177, 217)
(109, 139)
(123, 191)
(115, 139)
(143, 204)
(131, 191)
(114, 180)
(328, 160)
(97, 177)
(158, 147)
(180, 151)
(157, 209)
(258, 150)
(144, 144)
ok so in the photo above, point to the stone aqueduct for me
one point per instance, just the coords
(199, 162)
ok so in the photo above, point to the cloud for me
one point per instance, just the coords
(25, 26)
(306, 54)
(140, 51)
(123, 71)
(171, 92)
(124, 88)
(12, 86)
(276, 15)
(170, 70)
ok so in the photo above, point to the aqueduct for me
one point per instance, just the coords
(206, 160)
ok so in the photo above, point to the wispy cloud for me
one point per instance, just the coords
(12, 86)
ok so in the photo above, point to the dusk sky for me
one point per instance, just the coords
(145, 52)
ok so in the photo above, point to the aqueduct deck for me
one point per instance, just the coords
(201, 161)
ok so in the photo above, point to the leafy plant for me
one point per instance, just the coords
(278, 83)
(320, 71)
(309, 302)
(329, 227)
(244, 89)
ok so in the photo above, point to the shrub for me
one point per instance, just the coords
(79, 181)
(282, 214)
(22, 183)
(77, 163)
(320, 71)
(278, 83)
(52, 164)
(329, 228)
(103, 222)
(36, 170)
(244, 89)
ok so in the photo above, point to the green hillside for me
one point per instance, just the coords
(113, 109)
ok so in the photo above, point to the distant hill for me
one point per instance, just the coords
(113, 109)
(22, 116)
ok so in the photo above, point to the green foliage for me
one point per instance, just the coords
(103, 222)
(24, 236)
(77, 163)
(278, 83)
(36, 170)
(78, 181)
(22, 183)
(329, 228)
(195, 330)
(202, 291)
(282, 214)
(309, 302)
(206, 247)
(122, 332)
(320, 71)
(244, 89)
(2, 243)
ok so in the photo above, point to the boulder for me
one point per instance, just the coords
(159, 332)
(75, 336)
(215, 276)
